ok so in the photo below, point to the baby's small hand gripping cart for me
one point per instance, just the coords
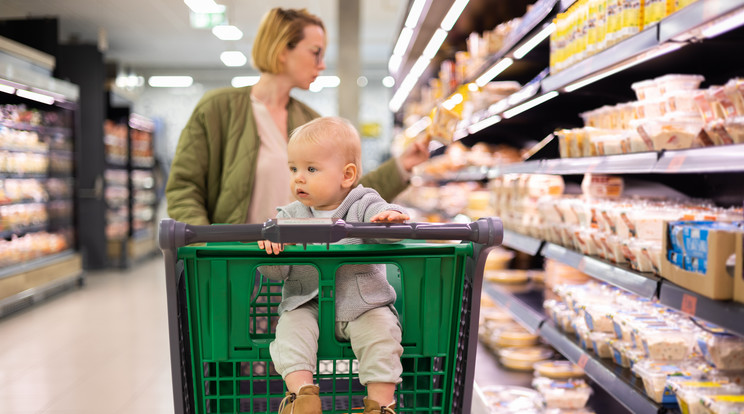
(222, 311)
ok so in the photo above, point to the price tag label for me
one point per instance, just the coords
(676, 163)
(689, 304)
(582, 361)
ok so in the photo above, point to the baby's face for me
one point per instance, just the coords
(317, 175)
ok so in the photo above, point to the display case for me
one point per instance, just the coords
(700, 37)
(38, 241)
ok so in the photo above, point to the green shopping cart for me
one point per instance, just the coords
(221, 311)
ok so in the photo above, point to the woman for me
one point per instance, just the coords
(225, 166)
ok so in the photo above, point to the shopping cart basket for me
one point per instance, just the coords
(221, 311)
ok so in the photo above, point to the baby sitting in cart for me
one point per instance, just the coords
(325, 166)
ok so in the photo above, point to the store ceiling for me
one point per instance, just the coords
(154, 36)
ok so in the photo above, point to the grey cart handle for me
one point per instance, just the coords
(173, 234)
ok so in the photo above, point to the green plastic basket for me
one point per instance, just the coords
(225, 312)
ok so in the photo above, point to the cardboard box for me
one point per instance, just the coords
(739, 270)
(718, 281)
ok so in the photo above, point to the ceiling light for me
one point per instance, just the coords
(453, 14)
(324, 82)
(362, 81)
(725, 24)
(403, 40)
(473, 87)
(523, 50)
(170, 81)
(434, 44)
(495, 70)
(233, 58)
(418, 127)
(35, 96)
(240, 81)
(227, 32)
(530, 104)
(388, 81)
(204, 6)
(419, 67)
(7, 89)
(394, 63)
(415, 13)
(452, 101)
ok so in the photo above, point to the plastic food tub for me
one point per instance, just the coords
(558, 369)
(563, 394)
(523, 359)
(690, 392)
(654, 375)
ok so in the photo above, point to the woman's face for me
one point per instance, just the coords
(305, 62)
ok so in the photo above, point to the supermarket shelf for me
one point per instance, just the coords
(526, 244)
(638, 163)
(24, 230)
(614, 55)
(526, 308)
(685, 21)
(642, 284)
(46, 130)
(727, 314)
(620, 383)
(702, 160)
(33, 295)
(36, 263)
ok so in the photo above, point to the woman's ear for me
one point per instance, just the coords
(350, 175)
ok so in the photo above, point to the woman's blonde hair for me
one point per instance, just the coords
(280, 29)
(335, 133)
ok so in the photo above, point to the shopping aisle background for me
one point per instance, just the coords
(96, 350)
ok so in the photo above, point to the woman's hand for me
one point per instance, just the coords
(271, 248)
(415, 154)
(390, 216)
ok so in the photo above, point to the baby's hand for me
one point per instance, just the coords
(390, 216)
(271, 248)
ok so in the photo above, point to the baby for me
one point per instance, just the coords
(325, 166)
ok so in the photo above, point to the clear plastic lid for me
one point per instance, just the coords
(564, 394)
(667, 343)
(510, 399)
(675, 82)
(724, 404)
(646, 89)
(558, 369)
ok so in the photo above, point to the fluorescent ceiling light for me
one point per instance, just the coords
(484, 124)
(233, 58)
(324, 82)
(35, 96)
(240, 81)
(434, 44)
(170, 81)
(394, 63)
(453, 101)
(453, 14)
(419, 67)
(402, 92)
(227, 32)
(403, 40)
(530, 104)
(725, 24)
(415, 13)
(7, 89)
(473, 87)
(204, 6)
(388, 81)
(523, 50)
(495, 70)
(661, 50)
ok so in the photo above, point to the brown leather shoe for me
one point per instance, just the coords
(373, 407)
(306, 401)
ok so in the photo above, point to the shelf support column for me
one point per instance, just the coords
(348, 60)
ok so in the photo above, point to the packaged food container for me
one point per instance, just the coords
(507, 276)
(514, 337)
(558, 369)
(523, 359)
(674, 82)
(598, 317)
(723, 404)
(619, 352)
(568, 394)
(647, 89)
(734, 89)
(651, 108)
(654, 375)
(635, 355)
(721, 349)
(667, 343)
(690, 392)
(601, 343)
(511, 400)
(498, 259)
(681, 103)
(668, 134)
(735, 129)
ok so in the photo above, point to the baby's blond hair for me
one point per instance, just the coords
(335, 133)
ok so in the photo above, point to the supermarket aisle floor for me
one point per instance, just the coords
(96, 350)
